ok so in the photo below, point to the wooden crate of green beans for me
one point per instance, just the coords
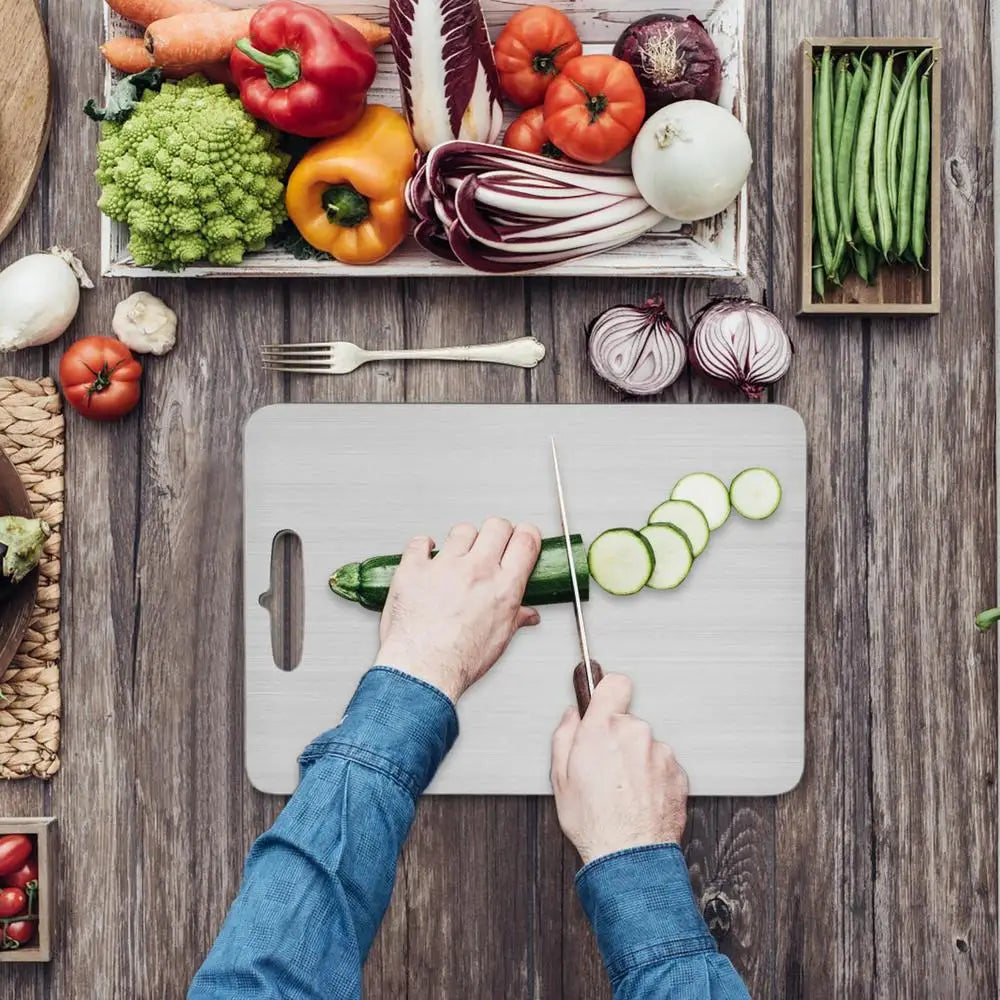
(870, 175)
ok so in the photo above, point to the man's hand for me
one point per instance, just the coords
(448, 619)
(615, 786)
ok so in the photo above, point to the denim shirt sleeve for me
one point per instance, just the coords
(317, 884)
(652, 937)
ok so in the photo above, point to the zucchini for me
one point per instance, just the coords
(755, 493)
(707, 492)
(688, 517)
(672, 554)
(621, 561)
(367, 582)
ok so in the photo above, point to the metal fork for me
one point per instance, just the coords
(339, 357)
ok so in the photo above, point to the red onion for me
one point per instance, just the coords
(636, 348)
(674, 58)
(742, 343)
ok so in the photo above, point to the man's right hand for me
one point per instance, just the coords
(615, 786)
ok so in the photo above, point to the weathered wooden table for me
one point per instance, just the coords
(877, 877)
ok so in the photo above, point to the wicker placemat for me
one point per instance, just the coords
(31, 433)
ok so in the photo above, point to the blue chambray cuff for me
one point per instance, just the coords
(641, 906)
(396, 724)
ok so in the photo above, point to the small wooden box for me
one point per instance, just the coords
(900, 289)
(39, 828)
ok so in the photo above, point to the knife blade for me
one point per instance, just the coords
(588, 672)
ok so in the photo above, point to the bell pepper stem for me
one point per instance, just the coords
(345, 206)
(281, 67)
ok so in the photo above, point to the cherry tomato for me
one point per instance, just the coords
(21, 931)
(15, 849)
(25, 874)
(533, 47)
(594, 108)
(100, 378)
(12, 902)
(527, 133)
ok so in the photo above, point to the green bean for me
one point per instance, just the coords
(863, 153)
(921, 171)
(819, 282)
(840, 103)
(825, 126)
(860, 256)
(892, 143)
(879, 159)
(896, 121)
(845, 152)
(839, 246)
(904, 201)
(819, 216)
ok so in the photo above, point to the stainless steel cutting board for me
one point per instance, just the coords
(718, 664)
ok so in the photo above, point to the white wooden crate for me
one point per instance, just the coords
(713, 248)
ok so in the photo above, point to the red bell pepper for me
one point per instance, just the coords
(302, 71)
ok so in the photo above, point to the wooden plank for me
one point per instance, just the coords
(466, 856)
(187, 679)
(730, 847)
(823, 830)
(29, 797)
(934, 678)
(372, 314)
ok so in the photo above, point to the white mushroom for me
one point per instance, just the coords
(145, 324)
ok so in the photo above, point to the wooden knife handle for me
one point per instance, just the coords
(580, 684)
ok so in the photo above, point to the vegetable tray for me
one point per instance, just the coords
(713, 248)
(898, 289)
(39, 827)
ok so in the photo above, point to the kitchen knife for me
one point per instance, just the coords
(587, 673)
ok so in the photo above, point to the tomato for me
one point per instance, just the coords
(527, 134)
(100, 378)
(15, 849)
(594, 108)
(25, 874)
(533, 47)
(12, 902)
(21, 931)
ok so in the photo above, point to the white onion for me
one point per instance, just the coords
(636, 348)
(690, 160)
(742, 343)
(39, 296)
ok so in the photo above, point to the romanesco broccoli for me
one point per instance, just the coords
(193, 175)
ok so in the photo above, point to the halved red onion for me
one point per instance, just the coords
(741, 343)
(636, 348)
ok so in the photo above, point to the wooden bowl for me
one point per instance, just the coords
(16, 613)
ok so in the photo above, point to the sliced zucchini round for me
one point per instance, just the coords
(708, 493)
(688, 517)
(621, 561)
(673, 555)
(755, 493)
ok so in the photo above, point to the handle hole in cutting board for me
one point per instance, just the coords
(284, 600)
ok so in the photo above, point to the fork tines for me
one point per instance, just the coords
(297, 357)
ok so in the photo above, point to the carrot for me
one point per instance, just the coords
(129, 55)
(145, 12)
(196, 38)
(374, 34)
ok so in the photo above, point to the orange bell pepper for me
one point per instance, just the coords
(345, 196)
